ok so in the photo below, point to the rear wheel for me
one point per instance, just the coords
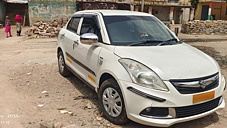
(62, 66)
(112, 102)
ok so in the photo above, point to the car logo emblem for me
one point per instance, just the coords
(203, 84)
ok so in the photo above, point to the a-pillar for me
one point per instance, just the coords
(150, 10)
(137, 8)
(171, 15)
(192, 12)
(209, 12)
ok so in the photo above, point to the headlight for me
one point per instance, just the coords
(142, 75)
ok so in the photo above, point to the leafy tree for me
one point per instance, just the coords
(194, 3)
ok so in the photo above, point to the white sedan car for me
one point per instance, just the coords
(140, 70)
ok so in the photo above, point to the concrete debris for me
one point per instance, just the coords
(208, 27)
(46, 29)
(99, 118)
(44, 92)
(32, 36)
(88, 106)
(70, 113)
(58, 125)
(44, 125)
(63, 111)
(72, 126)
(40, 105)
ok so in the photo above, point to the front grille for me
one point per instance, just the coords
(190, 86)
(196, 109)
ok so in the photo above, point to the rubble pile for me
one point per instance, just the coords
(205, 27)
(46, 29)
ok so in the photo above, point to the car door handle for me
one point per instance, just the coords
(63, 35)
(75, 44)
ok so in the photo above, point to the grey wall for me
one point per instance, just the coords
(2, 12)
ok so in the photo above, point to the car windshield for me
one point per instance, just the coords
(138, 31)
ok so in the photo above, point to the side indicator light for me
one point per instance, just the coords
(68, 60)
(91, 78)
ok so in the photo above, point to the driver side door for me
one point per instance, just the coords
(85, 56)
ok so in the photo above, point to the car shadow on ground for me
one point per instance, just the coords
(90, 94)
(87, 91)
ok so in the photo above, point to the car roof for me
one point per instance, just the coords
(114, 12)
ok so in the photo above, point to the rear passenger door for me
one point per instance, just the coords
(86, 56)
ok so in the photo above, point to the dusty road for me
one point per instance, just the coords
(33, 94)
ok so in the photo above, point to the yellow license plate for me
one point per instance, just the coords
(203, 97)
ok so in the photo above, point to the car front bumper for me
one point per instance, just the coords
(169, 122)
(141, 98)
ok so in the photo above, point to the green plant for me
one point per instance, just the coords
(194, 3)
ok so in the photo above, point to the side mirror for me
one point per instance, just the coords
(88, 38)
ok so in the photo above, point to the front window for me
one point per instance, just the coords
(89, 26)
(133, 30)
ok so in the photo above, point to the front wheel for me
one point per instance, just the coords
(112, 102)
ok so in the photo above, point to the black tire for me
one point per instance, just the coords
(118, 115)
(62, 66)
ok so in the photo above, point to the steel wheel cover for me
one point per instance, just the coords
(112, 102)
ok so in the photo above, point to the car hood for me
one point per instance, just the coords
(179, 61)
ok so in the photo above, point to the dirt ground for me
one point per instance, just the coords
(34, 95)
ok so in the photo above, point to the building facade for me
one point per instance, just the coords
(104, 4)
(211, 10)
(171, 11)
(13, 7)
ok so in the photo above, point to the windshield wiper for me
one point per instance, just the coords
(153, 42)
(169, 42)
(156, 42)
